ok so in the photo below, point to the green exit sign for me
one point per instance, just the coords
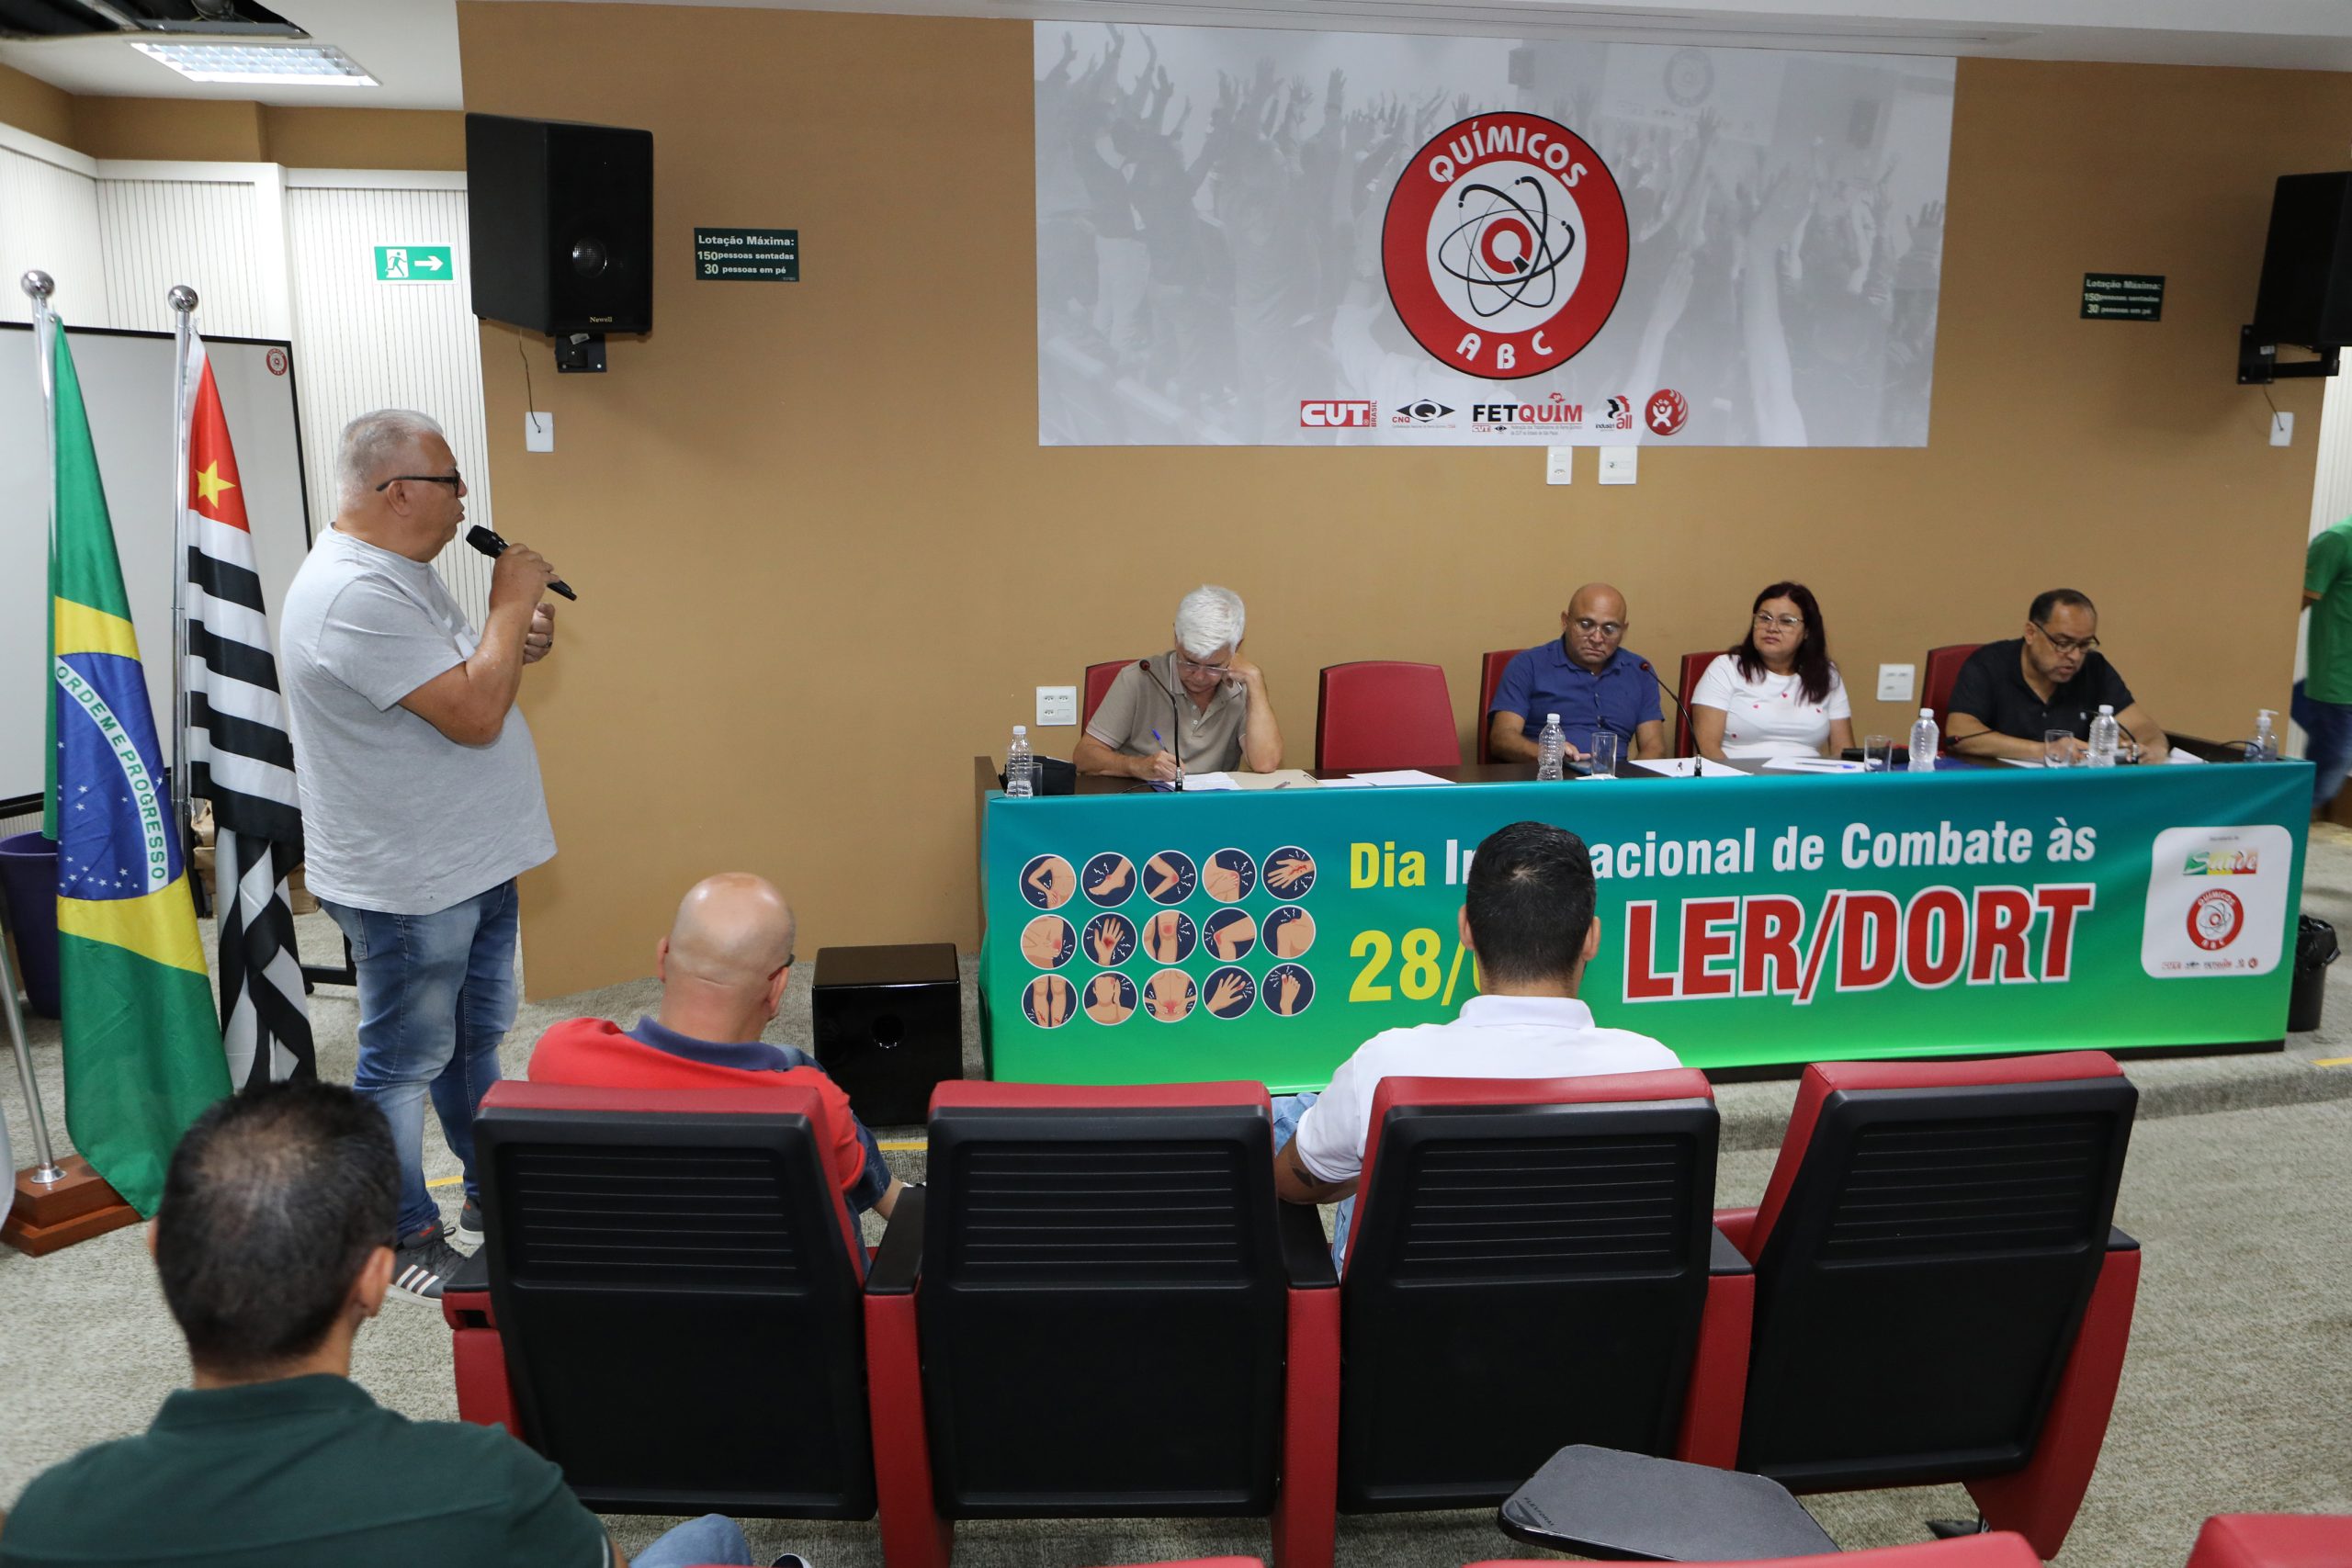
(413, 263)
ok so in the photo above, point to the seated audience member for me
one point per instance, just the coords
(2010, 694)
(270, 1243)
(1201, 708)
(1586, 678)
(1776, 694)
(723, 969)
(1528, 920)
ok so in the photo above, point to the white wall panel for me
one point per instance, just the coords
(361, 344)
(208, 234)
(48, 219)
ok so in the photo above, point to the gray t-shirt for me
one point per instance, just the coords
(397, 817)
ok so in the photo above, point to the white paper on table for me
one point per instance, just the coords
(1688, 767)
(2025, 761)
(1346, 784)
(2177, 755)
(1396, 777)
(1280, 778)
(1202, 783)
(1810, 765)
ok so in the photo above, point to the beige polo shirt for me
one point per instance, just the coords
(1134, 707)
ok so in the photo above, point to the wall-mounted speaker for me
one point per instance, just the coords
(2306, 293)
(562, 225)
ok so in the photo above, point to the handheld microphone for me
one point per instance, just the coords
(1175, 716)
(493, 547)
(1651, 671)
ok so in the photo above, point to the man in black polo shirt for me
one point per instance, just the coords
(270, 1242)
(2010, 694)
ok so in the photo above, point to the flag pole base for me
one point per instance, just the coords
(48, 1216)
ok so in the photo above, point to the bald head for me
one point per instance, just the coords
(733, 932)
(1594, 623)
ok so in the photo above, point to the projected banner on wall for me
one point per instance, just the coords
(1284, 238)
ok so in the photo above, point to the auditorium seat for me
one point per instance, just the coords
(1940, 1294)
(1098, 686)
(1508, 1228)
(1490, 675)
(2274, 1540)
(668, 1300)
(1098, 1309)
(2000, 1549)
(1380, 714)
(1694, 666)
(1938, 674)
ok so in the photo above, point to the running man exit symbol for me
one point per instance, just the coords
(413, 263)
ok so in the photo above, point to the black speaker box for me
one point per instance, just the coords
(562, 225)
(2306, 293)
(889, 1026)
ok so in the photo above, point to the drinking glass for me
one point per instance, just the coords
(1878, 753)
(1603, 751)
(2054, 748)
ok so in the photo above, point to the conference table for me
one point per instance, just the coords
(1750, 921)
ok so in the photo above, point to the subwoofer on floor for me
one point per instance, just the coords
(890, 1025)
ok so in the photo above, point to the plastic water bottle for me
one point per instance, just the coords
(1020, 767)
(1925, 739)
(2264, 747)
(2106, 736)
(1551, 750)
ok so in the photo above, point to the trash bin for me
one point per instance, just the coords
(29, 881)
(2315, 949)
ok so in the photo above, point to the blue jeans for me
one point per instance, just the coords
(436, 997)
(714, 1538)
(2327, 727)
(1288, 1108)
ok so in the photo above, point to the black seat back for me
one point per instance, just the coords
(1521, 1278)
(681, 1317)
(1102, 1307)
(1919, 1293)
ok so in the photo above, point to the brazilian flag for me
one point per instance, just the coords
(143, 1051)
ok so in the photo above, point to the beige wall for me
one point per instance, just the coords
(31, 104)
(232, 131)
(824, 559)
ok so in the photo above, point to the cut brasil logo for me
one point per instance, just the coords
(1505, 245)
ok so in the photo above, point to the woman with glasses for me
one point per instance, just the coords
(1199, 708)
(1776, 694)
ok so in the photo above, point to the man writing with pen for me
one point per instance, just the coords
(1199, 707)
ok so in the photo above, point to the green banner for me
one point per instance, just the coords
(1260, 934)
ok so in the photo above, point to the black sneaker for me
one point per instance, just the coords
(421, 1264)
(469, 1222)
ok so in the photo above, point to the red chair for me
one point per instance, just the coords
(1941, 1293)
(2273, 1540)
(1507, 1228)
(1998, 1549)
(1942, 668)
(1490, 675)
(1098, 686)
(1694, 666)
(1098, 1309)
(668, 1301)
(1385, 714)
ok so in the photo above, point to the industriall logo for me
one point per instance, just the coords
(1505, 244)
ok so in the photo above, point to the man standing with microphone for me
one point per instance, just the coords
(421, 795)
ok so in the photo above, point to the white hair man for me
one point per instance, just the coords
(420, 795)
(1200, 705)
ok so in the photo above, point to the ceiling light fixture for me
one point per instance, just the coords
(311, 65)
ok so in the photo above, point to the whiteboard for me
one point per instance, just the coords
(126, 388)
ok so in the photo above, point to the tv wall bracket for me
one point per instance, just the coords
(2259, 362)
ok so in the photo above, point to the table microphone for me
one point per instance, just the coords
(493, 547)
(1175, 715)
(1651, 671)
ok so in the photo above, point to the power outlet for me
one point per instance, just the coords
(2282, 430)
(1620, 465)
(1559, 465)
(538, 431)
(1894, 682)
(1056, 705)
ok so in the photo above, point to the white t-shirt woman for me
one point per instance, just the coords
(1753, 703)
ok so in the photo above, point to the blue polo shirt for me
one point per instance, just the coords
(1622, 695)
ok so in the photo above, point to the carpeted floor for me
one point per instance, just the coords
(2234, 1397)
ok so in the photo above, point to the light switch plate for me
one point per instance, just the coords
(1619, 464)
(1056, 705)
(1894, 682)
(2282, 430)
(1559, 465)
(538, 431)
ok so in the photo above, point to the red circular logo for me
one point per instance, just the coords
(2215, 919)
(1666, 411)
(1505, 245)
(275, 360)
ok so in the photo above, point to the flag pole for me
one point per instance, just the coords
(45, 1171)
(182, 300)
